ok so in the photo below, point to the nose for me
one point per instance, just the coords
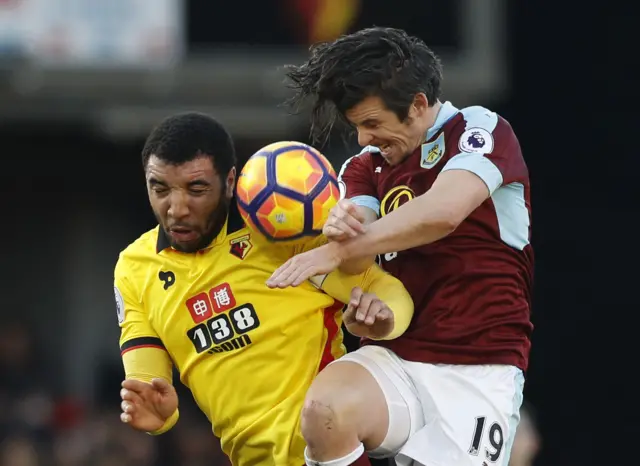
(364, 138)
(178, 205)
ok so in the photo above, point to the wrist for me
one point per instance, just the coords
(350, 250)
(340, 251)
(168, 424)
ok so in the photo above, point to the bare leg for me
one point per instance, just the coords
(345, 410)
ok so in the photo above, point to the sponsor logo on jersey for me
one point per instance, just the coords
(476, 140)
(168, 278)
(222, 324)
(217, 300)
(432, 152)
(395, 198)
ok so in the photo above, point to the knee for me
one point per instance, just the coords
(344, 403)
(324, 417)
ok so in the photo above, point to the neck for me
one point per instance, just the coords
(430, 117)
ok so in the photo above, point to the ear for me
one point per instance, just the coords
(420, 105)
(230, 183)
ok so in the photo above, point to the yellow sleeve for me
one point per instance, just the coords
(374, 280)
(143, 354)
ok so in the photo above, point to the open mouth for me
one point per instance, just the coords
(385, 149)
(181, 234)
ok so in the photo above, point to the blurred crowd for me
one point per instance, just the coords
(39, 426)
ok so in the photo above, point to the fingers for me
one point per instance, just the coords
(128, 408)
(161, 385)
(347, 226)
(281, 275)
(298, 269)
(128, 405)
(293, 273)
(367, 308)
(384, 314)
(333, 233)
(352, 209)
(356, 295)
(135, 385)
(344, 221)
(301, 275)
(354, 302)
(131, 396)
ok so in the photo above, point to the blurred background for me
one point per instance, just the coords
(83, 81)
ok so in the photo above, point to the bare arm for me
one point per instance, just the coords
(358, 265)
(425, 219)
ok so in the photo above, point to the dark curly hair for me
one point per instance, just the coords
(379, 61)
(182, 137)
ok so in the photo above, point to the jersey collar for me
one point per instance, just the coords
(233, 223)
(446, 112)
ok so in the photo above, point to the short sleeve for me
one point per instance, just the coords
(489, 148)
(143, 354)
(136, 330)
(356, 181)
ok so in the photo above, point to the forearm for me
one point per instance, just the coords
(358, 265)
(361, 264)
(387, 288)
(391, 291)
(146, 364)
(416, 223)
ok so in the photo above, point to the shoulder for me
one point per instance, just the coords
(480, 130)
(135, 257)
(362, 160)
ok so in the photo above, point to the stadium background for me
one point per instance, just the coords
(81, 83)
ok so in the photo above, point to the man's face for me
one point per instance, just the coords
(378, 126)
(190, 201)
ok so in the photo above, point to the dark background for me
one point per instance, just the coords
(571, 102)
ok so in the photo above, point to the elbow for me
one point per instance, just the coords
(398, 329)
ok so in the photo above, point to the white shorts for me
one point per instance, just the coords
(445, 415)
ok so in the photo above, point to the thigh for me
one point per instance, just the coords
(470, 413)
(403, 412)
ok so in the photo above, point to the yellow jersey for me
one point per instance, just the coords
(247, 353)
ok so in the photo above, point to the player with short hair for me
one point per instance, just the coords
(452, 191)
(190, 293)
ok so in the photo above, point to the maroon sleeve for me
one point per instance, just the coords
(506, 154)
(494, 155)
(356, 181)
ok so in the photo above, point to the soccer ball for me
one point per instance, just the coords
(285, 191)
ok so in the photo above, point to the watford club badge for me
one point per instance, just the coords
(240, 247)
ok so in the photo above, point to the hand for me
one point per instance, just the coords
(367, 316)
(146, 406)
(345, 221)
(301, 267)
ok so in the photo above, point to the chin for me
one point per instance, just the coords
(395, 159)
(185, 247)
